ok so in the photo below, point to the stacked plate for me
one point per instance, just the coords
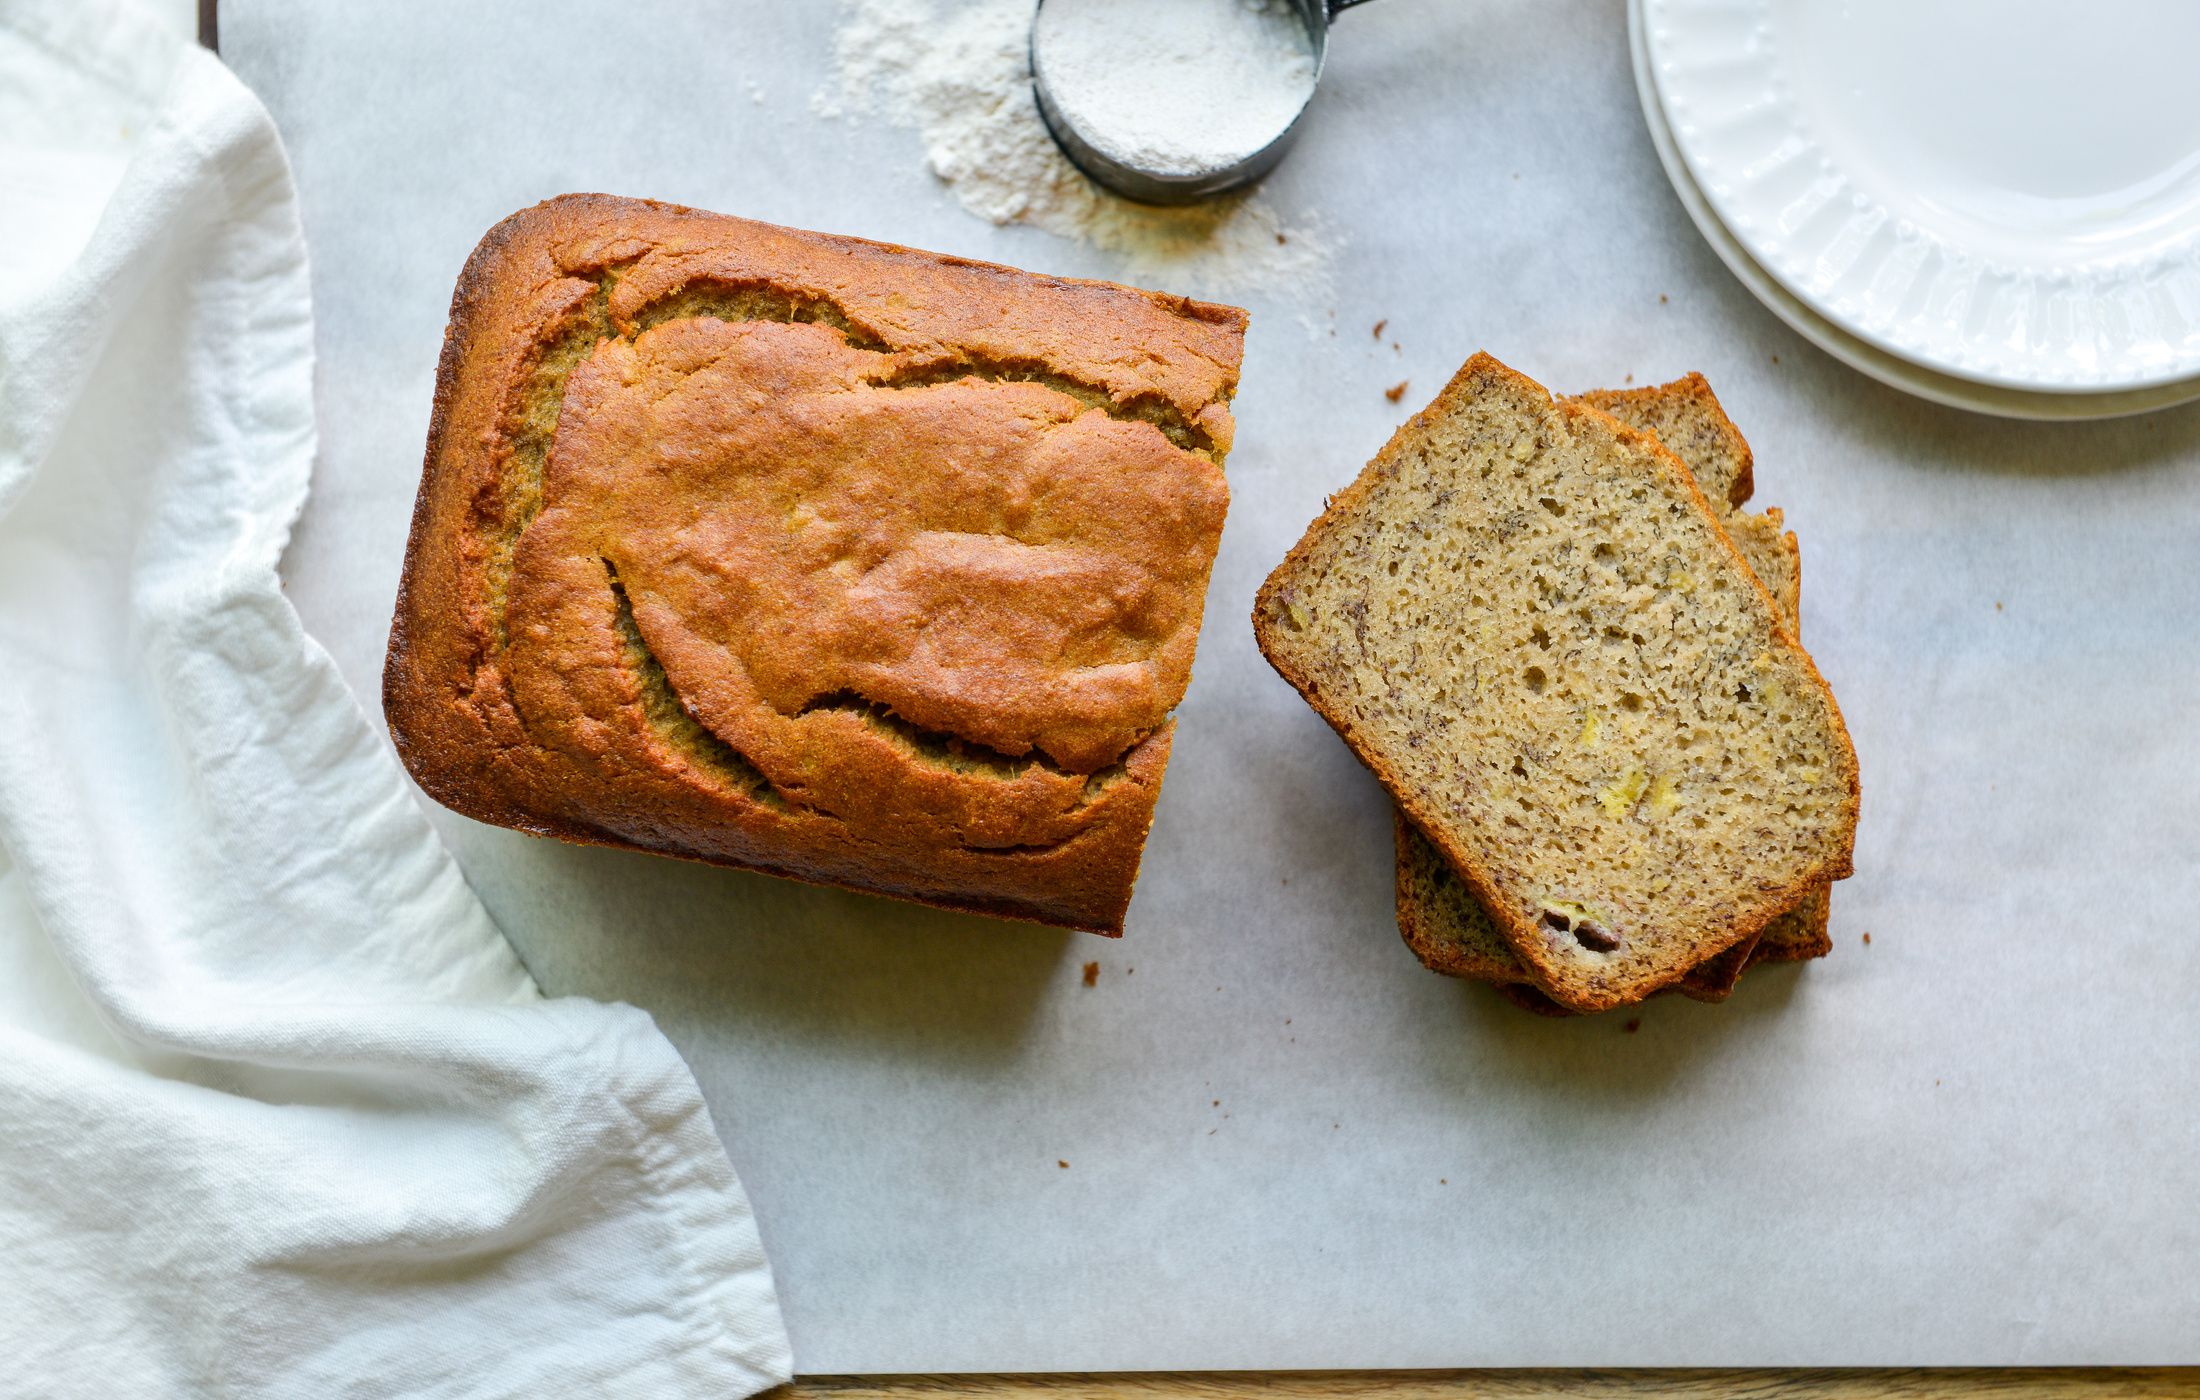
(1993, 204)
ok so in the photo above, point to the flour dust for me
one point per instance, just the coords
(958, 72)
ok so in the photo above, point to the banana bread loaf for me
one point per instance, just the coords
(821, 557)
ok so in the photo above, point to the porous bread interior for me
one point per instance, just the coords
(1685, 416)
(1525, 619)
(1438, 917)
(1452, 934)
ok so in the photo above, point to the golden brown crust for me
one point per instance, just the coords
(1714, 979)
(1801, 938)
(1552, 978)
(1688, 400)
(855, 564)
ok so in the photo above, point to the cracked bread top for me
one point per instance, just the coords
(842, 560)
(1525, 619)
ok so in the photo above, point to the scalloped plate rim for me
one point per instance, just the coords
(1869, 360)
(1912, 351)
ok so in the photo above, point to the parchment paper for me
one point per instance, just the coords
(1973, 1140)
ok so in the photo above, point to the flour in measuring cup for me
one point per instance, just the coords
(1176, 87)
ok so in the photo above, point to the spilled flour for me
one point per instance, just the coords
(959, 72)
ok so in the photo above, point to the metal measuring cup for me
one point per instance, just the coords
(1153, 187)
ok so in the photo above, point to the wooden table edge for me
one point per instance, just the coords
(2051, 1383)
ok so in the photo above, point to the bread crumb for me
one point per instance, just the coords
(1397, 391)
(1634, 1024)
(1281, 239)
(1129, 970)
(1867, 940)
(1217, 1103)
(1776, 359)
(1092, 974)
(1630, 379)
(1442, 1182)
(1664, 300)
(1379, 327)
(1062, 1164)
(1997, 607)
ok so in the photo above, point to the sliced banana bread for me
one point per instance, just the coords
(1443, 925)
(1524, 617)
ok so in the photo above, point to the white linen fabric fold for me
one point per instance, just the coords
(280, 1111)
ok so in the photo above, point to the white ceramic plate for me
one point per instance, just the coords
(2004, 191)
(1859, 354)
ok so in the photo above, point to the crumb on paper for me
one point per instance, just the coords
(1092, 974)
(1664, 300)
(1867, 940)
(1997, 606)
(1379, 327)
(1216, 1104)
(1440, 1181)
(1397, 391)
(1634, 1023)
(1630, 379)
(1776, 359)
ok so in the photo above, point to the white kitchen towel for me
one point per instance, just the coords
(281, 1114)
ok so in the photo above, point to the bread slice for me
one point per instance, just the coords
(1443, 925)
(1524, 617)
